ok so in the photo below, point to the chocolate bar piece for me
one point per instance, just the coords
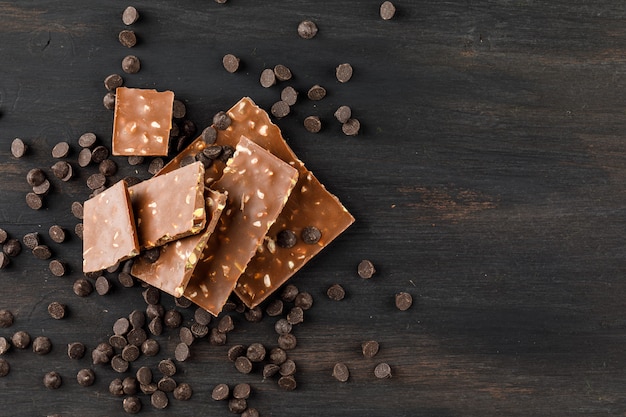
(258, 185)
(142, 122)
(109, 234)
(177, 260)
(310, 204)
(169, 207)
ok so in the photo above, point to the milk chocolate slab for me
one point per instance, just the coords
(169, 207)
(258, 185)
(177, 260)
(109, 234)
(142, 121)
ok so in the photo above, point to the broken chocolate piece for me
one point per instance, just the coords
(109, 229)
(142, 122)
(258, 185)
(169, 207)
(177, 260)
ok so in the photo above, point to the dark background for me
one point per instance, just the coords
(487, 181)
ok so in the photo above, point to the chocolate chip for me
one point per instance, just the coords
(199, 330)
(56, 233)
(287, 341)
(103, 285)
(274, 308)
(144, 375)
(152, 295)
(287, 383)
(130, 15)
(304, 300)
(217, 338)
(230, 63)
(82, 287)
(108, 167)
(95, 181)
(150, 347)
(282, 73)
(34, 201)
(351, 127)
(227, 153)
(267, 78)
(108, 101)
(76, 350)
(125, 279)
(132, 405)
(6, 318)
(295, 315)
(118, 341)
(42, 252)
(119, 364)
(226, 324)
(137, 319)
(136, 336)
(129, 385)
(155, 310)
(277, 356)
(317, 92)
(5, 368)
(42, 345)
(56, 310)
(209, 135)
(221, 121)
(182, 353)
(254, 315)
(235, 351)
(61, 170)
(166, 384)
(127, 38)
(289, 293)
(85, 377)
(280, 109)
(287, 368)
(5, 345)
(99, 154)
(4, 260)
(343, 114)
(387, 10)
(255, 352)
(186, 336)
(42, 189)
(237, 405)
(311, 235)
(167, 367)
(84, 157)
(270, 369)
(130, 353)
(60, 150)
(131, 64)
(77, 210)
(220, 392)
(159, 400)
(111, 82)
(307, 29)
(156, 165)
(286, 239)
(341, 372)
(182, 302)
(404, 301)
(250, 412)
(18, 148)
(289, 95)
(52, 380)
(172, 319)
(12, 247)
(20, 339)
(35, 177)
(242, 391)
(202, 316)
(183, 392)
(313, 124)
(336, 292)
(243, 365)
(116, 388)
(369, 348)
(212, 152)
(31, 240)
(135, 160)
(283, 326)
(343, 72)
(382, 370)
(3, 236)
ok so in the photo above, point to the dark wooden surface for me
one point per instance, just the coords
(488, 182)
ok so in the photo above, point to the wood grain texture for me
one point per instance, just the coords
(488, 182)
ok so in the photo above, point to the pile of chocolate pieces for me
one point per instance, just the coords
(213, 225)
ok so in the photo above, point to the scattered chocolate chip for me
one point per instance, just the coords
(286, 239)
(130, 353)
(99, 154)
(4, 260)
(151, 295)
(116, 388)
(304, 300)
(387, 10)
(274, 308)
(56, 233)
(221, 120)
(256, 352)
(35, 177)
(111, 82)
(202, 316)
(6, 318)
(267, 78)
(131, 64)
(277, 356)
(144, 375)
(60, 150)
(289, 293)
(132, 404)
(42, 252)
(135, 160)
(129, 385)
(18, 148)
(282, 326)
(52, 380)
(182, 302)
(61, 169)
(56, 310)
(311, 235)
(31, 240)
(250, 412)
(237, 405)
(108, 101)
(167, 367)
(76, 350)
(154, 310)
(227, 153)
(230, 63)
(172, 319)
(282, 73)
(287, 383)
(119, 364)
(34, 201)
(108, 167)
(199, 330)
(3, 236)
(295, 315)
(280, 109)
(287, 341)
(404, 301)
(181, 353)
(150, 347)
(136, 336)
(226, 324)
(235, 351)
(313, 124)
(118, 341)
(220, 392)
(159, 400)
(127, 38)
(85, 377)
(130, 15)
(243, 365)
(270, 369)
(382, 370)
(209, 135)
(217, 338)
(336, 292)
(5, 368)
(343, 114)
(289, 95)
(254, 315)
(96, 181)
(42, 345)
(166, 384)
(125, 279)
(20, 339)
(317, 92)
(82, 287)
(183, 392)
(307, 29)
(84, 157)
(156, 165)
(341, 372)
(287, 368)
(102, 354)
(343, 72)
(351, 127)
(369, 348)
(43, 188)
(186, 336)
(103, 285)
(242, 391)
(12, 247)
